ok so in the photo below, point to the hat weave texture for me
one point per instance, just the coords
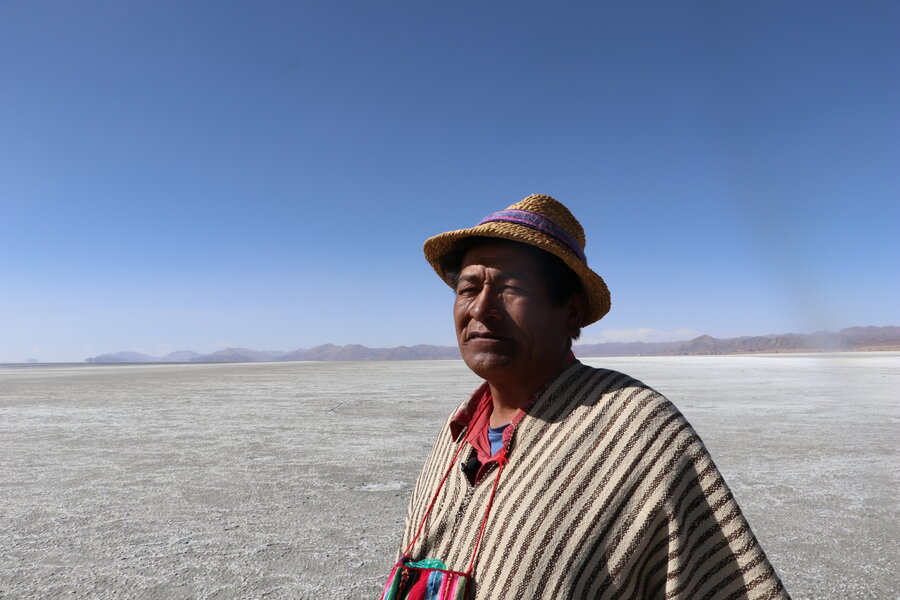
(540, 221)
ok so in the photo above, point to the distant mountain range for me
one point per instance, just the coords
(850, 339)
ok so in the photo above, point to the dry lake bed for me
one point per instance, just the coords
(290, 480)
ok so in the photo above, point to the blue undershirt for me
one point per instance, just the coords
(495, 437)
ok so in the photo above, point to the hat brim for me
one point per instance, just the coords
(595, 289)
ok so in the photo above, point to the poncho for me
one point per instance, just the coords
(608, 493)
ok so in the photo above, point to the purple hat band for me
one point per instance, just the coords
(538, 222)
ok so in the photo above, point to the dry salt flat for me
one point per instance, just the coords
(289, 480)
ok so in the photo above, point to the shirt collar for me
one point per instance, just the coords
(463, 417)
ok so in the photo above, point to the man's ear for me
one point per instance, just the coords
(576, 308)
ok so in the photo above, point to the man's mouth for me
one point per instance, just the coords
(486, 335)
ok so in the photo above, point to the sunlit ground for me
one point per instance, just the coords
(289, 480)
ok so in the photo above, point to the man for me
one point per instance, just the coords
(555, 479)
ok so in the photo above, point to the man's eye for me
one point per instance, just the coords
(466, 291)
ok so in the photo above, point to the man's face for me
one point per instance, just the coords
(506, 327)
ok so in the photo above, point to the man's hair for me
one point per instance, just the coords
(561, 281)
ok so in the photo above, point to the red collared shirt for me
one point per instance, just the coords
(476, 416)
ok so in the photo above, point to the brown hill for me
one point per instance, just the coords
(849, 339)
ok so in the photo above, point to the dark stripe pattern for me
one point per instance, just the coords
(608, 493)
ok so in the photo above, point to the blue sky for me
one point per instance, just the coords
(199, 175)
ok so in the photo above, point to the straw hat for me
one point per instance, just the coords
(540, 221)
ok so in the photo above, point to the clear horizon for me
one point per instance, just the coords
(222, 175)
(649, 336)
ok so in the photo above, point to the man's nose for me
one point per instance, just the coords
(485, 305)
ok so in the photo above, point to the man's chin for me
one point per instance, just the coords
(483, 362)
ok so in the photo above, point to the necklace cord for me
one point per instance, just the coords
(487, 511)
(501, 460)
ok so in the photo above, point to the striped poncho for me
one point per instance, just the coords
(608, 493)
